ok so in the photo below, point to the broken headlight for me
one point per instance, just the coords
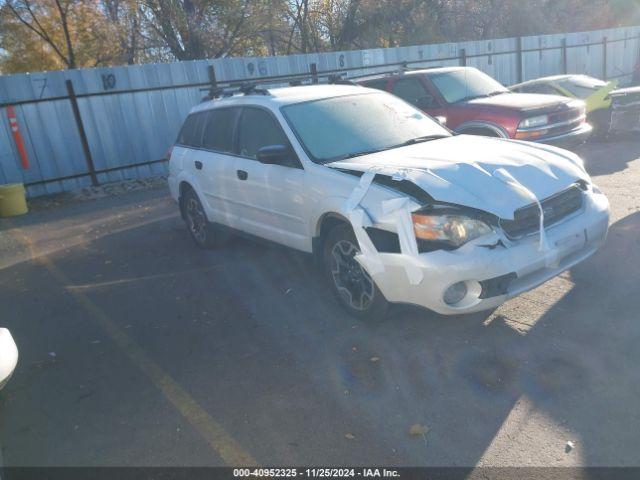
(452, 229)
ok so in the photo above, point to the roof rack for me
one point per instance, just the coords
(332, 79)
(338, 79)
(253, 87)
(245, 88)
(402, 68)
(250, 86)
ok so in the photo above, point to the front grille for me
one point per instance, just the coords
(564, 116)
(564, 128)
(625, 120)
(557, 207)
(572, 119)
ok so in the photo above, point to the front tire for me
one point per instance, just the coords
(353, 287)
(600, 120)
(201, 230)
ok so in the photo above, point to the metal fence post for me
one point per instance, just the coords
(604, 58)
(212, 77)
(519, 55)
(463, 57)
(314, 72)
(82, 133)
(565, 66)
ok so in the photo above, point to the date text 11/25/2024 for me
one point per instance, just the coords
(316, 472)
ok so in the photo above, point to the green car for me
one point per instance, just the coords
(594, 92)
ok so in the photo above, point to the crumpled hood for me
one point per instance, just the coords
(460, 170)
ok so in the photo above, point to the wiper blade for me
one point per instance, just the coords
(412, 141)
(365, 152)
(425, 138)
(498, 92)
(352, 155)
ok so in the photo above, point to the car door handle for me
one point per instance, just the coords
(242, 175)
(198, 165)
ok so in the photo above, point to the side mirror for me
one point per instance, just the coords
(274, 155)
(441, 120)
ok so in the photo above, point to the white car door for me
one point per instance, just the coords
(268, 199)
(213, 164)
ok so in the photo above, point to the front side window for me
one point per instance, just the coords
(465, 84)
(336, 128)
(218, 129)
(411, 90)
(258, 129)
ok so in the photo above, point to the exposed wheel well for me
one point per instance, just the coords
(184, 186)
(182, 189)
(485, 131)
(328, 221)
(325, 224)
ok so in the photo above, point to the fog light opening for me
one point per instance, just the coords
(455, 293)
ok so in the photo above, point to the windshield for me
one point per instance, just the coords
(465, 84)
(341, 127)
(582, 87)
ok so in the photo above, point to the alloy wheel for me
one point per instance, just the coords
(351, 280)
(197, 220)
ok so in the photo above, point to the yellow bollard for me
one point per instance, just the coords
(12, 200)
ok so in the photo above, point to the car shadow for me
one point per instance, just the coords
(89, 208)
(603, 157)
(589, 381)
(577, 366)
(251, 333)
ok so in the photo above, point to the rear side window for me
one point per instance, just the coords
(259, 129)
(380, 84)
(582, 87)
(218, 129)
(191, 133)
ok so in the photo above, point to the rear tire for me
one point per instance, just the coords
(201, 230)
(352, 286)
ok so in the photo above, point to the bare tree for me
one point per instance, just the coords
(193, 29)
(76, 33)
(125, 17)
(30, 16)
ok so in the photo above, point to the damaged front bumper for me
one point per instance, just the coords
(625, 112)
(573, 138)
(494, 271)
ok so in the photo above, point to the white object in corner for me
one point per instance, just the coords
(8, 356)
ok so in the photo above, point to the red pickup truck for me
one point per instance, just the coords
(474, 103)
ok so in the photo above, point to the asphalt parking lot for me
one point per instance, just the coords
(136, 348)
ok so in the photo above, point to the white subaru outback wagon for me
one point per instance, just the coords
(396, 207)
